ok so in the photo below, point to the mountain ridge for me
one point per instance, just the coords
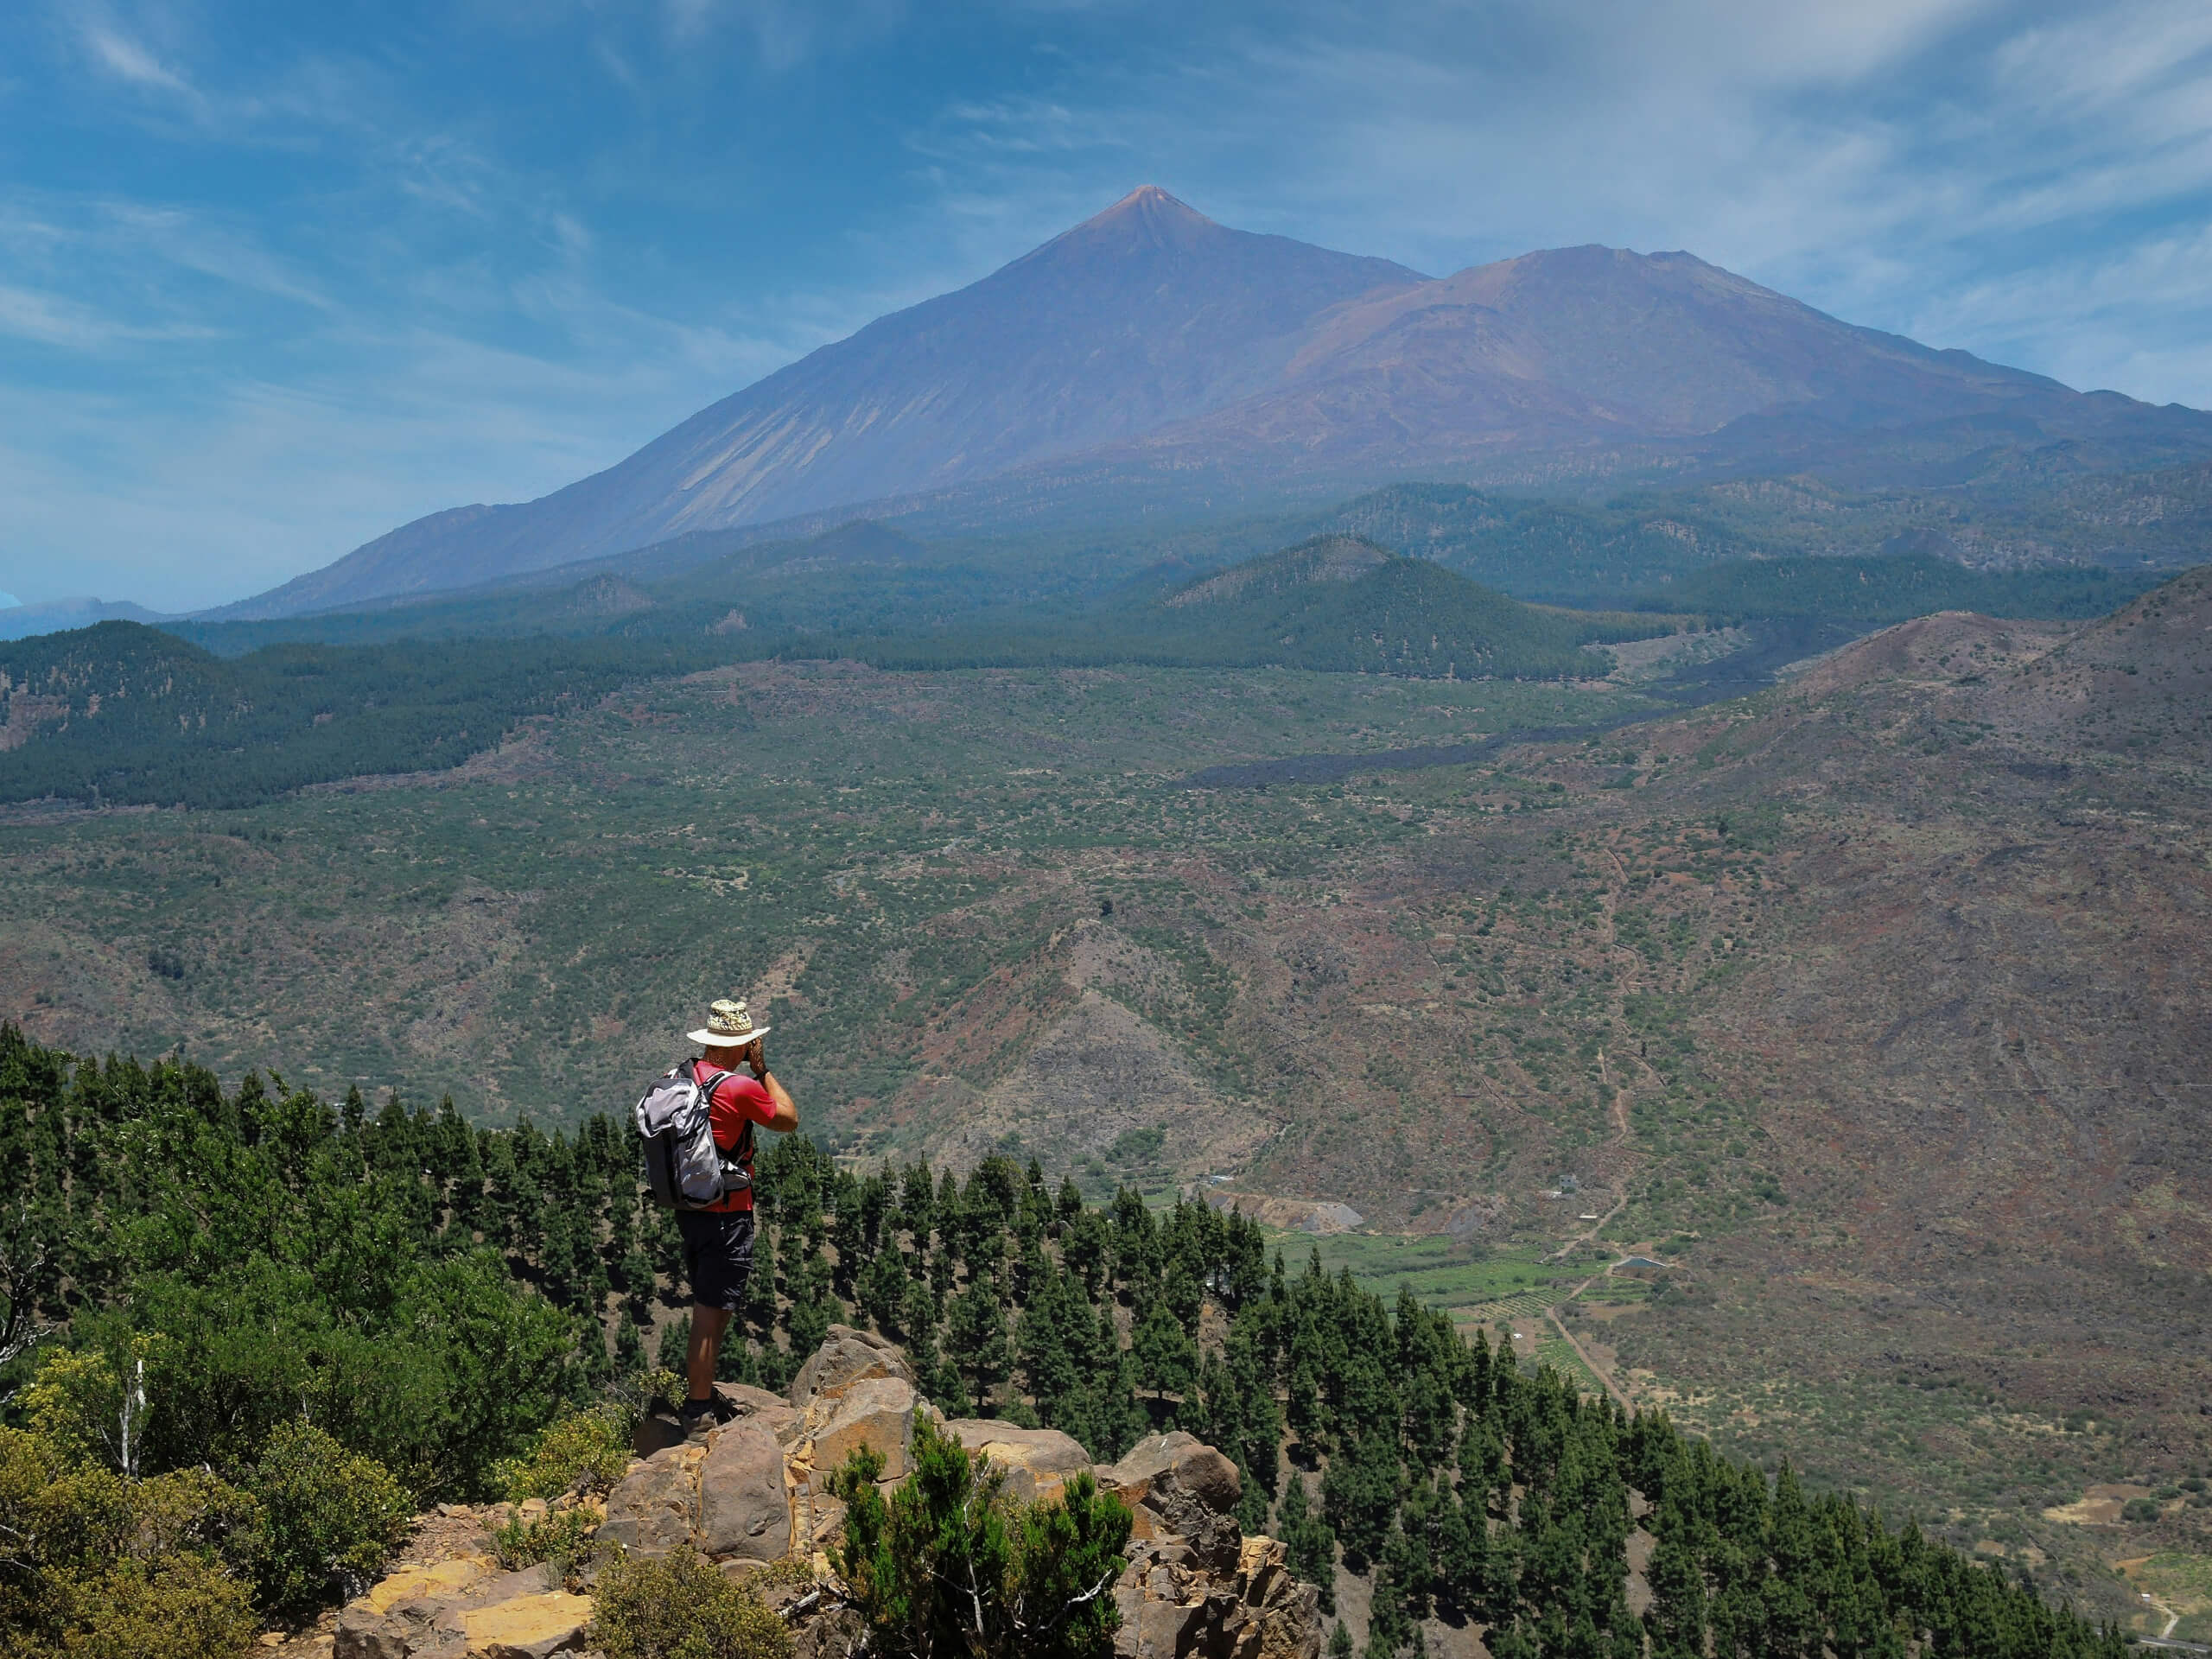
(1150, 343)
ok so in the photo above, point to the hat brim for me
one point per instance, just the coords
(722, 1039)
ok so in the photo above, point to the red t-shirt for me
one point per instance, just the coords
(738, 1097)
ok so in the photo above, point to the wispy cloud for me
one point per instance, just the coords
(127, 60)
(1887, 161)
(53, 319)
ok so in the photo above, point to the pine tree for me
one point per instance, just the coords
(1389, 1623)
(974, 1340)
(881, 1289)
(674, 1336)
(1308, 1542)
(1054, 1332)
(1359, 1494)
(1677, 1616)
(629, 1347)
(1166, 1358)
(916, 1205)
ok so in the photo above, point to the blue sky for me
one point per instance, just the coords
(276, 278)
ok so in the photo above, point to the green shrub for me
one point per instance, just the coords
(563, 1537)
(677, 1606)
(178, 1607)
(98, 1565)
(75, 1404)
(332, 1519)
(581, 1452)
(2139, 1509)
(951, 1565)
(453, 1367)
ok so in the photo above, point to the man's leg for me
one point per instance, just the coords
(708, 1325)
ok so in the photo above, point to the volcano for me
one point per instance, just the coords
(1151, 339)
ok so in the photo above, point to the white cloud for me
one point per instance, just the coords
(1888, 161)
(126, 59)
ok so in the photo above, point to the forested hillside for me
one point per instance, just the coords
(193, 1274)
(126, 714)
(1876, 590)
(1335, 604)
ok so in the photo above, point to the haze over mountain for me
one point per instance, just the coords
(1152, 340)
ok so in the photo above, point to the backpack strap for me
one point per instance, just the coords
(741, 1153)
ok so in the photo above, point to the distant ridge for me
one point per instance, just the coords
(1149, 346)
(60, 616)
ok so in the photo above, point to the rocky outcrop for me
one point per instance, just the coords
(463, 1609)
(878, 1412)
(1180, 1488)
(1173, 1607)
(1037, 1461)
(755, 1490)
(1195, 1584)
(847, 1356)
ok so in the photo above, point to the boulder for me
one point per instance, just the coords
(1153, 1629)
(528, 1627)
(742, 1400)
(1178, 1486)
(743, 1512)
(436, 1582)
(874, 1411)
(1037, 1461)
(422, 1612)
(656, 1506)
(746, 1401)
(847, 1356)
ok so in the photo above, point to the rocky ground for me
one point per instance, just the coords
(752, 1496)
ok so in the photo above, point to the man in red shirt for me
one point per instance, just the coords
(718, 1242)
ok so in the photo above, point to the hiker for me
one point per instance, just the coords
(718, 1240)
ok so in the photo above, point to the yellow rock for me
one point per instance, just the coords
(411, 1583)
(528, 1624)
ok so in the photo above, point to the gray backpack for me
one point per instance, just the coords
(683, 1167)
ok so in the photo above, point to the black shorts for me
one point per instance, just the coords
(718, 1254)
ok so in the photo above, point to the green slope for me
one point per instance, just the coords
(1335, 604)
(124, 714)
(1343, 603)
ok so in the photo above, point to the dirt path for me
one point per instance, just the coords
(2172, 1618)
(1620, 1141)
(1604, 1379)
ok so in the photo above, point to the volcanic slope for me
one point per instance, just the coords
(1147, 314)
(1149, 346)
(1967, 995)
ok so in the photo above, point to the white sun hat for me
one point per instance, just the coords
(729, 1026)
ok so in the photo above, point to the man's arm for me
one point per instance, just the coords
(786, 1117)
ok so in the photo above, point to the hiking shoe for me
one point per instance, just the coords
(700, 1418)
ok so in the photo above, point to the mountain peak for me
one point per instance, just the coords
(1147, 213)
